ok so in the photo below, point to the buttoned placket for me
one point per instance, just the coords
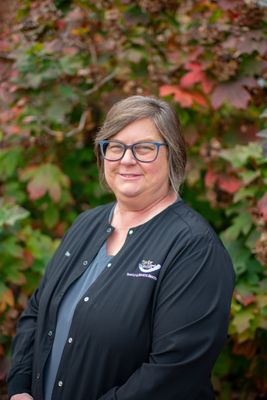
(85, 300)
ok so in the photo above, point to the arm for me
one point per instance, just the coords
(189, 326)
(19, 378)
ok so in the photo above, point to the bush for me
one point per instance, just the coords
(63, 64)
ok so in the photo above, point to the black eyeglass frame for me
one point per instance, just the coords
(102, 143)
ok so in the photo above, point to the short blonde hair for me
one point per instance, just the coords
(166, 120)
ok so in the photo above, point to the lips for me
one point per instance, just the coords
(129, 176)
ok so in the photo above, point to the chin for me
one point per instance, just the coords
(129, 194)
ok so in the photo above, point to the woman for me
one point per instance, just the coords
(135, 303)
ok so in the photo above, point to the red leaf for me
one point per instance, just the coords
(36, 191)
(210, 178)
(245, 300)
(229, 184)
(196, 75)
(247, 43)
(28, 257)
(198, 99)
(60, 24)
(184, 98)
(230, 4)
(231, 92)
(262, 207)
(192, 77)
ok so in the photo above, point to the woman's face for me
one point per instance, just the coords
(130, 179)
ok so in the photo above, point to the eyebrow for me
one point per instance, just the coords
(139, 141)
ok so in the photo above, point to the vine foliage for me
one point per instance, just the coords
(63, 63)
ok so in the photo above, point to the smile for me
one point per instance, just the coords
(130, 176)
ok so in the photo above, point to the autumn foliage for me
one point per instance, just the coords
(63, 63)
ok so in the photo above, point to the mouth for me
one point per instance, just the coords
(130, 176)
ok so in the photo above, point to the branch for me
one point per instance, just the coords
(72, 132)
(101, 83)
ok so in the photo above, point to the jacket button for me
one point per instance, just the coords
(50, 333)
(109, 230)
(130, 232)
(38, 375)
(70, 340)
(109, 265)
(85, 262)
(60, 383)
(86, 299)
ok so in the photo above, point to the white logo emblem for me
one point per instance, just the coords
(67, 254)
(148, 266)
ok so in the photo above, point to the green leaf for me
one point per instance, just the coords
(10, 214)
(240, 255)
(13, 189)
(71, 64)
(9, 161)
(244, 193)
(40, 246)
(242, 320)
(240, 155)
(3, 288)
(10, 246)
(251, 240)
(241, 224)
(51, 216)
(14, 275)
(45, 178)
(249, 176)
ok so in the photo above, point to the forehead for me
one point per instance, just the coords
(141, 130)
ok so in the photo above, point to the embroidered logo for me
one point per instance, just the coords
(148, 266)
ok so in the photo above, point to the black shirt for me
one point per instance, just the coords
(149, 328)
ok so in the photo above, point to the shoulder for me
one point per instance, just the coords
(189, 221)
(196, 244)
(87, 221)
(96, 214)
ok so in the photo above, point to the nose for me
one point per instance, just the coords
(128, 157)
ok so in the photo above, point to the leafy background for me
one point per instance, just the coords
(63, 64)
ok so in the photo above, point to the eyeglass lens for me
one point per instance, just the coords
(143, 151)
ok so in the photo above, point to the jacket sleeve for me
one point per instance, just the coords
(189, 326)
(20, 376)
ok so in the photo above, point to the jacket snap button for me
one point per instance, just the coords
(109, 230)
(60, 383)
(50, 333)
(130, 232)
(86, 299)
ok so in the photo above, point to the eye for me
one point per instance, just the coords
(144, 148)
(114, 147)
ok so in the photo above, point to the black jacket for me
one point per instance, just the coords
(149, 328)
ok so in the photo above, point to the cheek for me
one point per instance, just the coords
(108, 170)
(160, 171)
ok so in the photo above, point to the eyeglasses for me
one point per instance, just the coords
(145, 152)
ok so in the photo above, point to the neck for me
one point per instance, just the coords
(128, 215)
